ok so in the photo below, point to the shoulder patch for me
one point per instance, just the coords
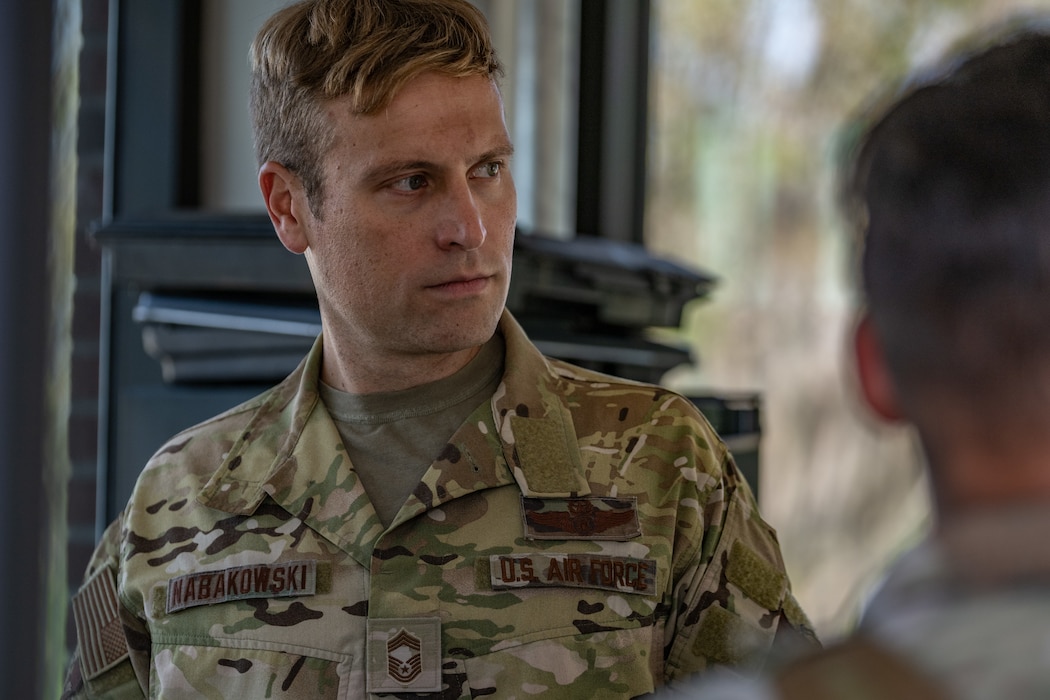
(96, 612)
(726, 638)
(757, 578)
(795, 614)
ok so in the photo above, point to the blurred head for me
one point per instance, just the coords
(949, 191)
(315, 51)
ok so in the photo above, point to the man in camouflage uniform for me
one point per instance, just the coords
(426, 505)
(951, 189)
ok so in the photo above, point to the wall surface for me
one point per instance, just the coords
(228, 173)
(83, 421)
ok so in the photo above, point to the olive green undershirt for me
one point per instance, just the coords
(393, 437)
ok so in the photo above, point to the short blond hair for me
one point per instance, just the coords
(315, 51)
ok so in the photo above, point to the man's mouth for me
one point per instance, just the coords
(462, 285)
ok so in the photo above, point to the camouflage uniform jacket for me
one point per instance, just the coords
(580, 536)
(964, 615)
(970, 607)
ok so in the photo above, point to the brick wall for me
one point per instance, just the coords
(83, 423)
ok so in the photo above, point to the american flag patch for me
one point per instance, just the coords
(99, 631)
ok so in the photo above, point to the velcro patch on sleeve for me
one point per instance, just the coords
(482, 574)
(96, 613)
(795, 614)
(757, 578)
(726, 638)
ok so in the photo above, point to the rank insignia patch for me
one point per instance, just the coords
(593, 518)
(404, 655)
(403, 660)
(96, 613)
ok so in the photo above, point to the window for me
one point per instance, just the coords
(746, 99)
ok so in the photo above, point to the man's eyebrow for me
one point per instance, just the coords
(504, 151)
(383, 171)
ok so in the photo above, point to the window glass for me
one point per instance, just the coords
(746, 99)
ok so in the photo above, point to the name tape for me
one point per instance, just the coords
(279, 580)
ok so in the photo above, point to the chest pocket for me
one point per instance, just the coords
(231, 668)
(568, 617)
(223, 634)
(561, 641)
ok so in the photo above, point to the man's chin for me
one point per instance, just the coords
(464, 334)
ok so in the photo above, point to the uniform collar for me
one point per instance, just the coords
(535, 424)
(997, 550)
(998, 545)
(268, 441)
(290, 450)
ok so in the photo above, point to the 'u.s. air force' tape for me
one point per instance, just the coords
(610, 573)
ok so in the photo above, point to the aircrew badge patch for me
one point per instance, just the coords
(592, 518)
(96, 613)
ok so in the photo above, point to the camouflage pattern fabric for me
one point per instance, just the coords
(964, 615)
(580, 536)
(971, 605)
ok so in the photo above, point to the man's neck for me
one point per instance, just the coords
(368, 375)
(990, 473)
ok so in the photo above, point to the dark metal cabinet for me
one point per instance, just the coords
(203, 312)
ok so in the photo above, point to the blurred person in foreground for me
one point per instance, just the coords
(427, 505)
(949, 190)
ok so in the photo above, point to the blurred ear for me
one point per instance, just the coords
(286, 204)
(876, 382)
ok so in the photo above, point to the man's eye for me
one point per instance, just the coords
(492, 169)
(410, 183)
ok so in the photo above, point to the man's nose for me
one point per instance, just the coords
(463, 225)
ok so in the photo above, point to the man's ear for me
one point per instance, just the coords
(286, 204)
(876, 382)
